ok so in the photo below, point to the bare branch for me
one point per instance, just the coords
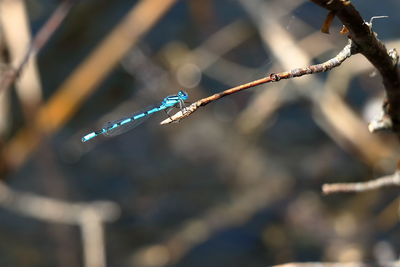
(374, 50)
(346, 52)
(389, 180)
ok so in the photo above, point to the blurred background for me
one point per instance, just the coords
(238, 183)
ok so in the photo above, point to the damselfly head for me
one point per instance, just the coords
(183, 95)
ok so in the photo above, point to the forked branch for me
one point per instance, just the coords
(375, 51)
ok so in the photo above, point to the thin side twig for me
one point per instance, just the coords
(389, 180)
(346, 52)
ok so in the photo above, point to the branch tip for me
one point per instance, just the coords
(376, 17)
(389, 180)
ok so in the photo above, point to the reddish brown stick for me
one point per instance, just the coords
(346, 52)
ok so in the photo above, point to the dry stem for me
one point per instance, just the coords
(346, 52)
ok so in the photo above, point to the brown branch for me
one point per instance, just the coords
(374, 50)
(40, 39)
(346, 52)
(389, 180)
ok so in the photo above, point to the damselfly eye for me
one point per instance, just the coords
(182, 94)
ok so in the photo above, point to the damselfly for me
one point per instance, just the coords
(127, 123)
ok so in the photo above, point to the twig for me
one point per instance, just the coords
(346, 52)
(374, 50)
(38, 42)
(389, 180)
